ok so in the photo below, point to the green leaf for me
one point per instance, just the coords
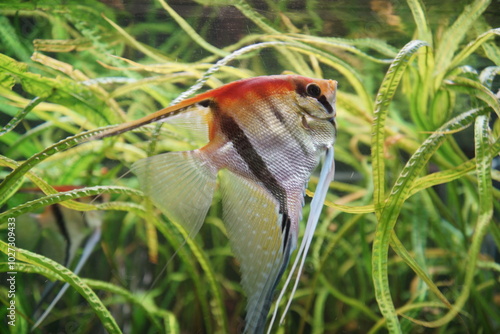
(20, 116)
(191, 32)
(399, 248)
(32, 206)
(484, 157)
(454, 35)
(441, 177)
(6, 80)
(389, 213)
(42, 185)
(15, 176)
(475, 88)
(10, 40)
(472, 46)
(488, 75)
(61, 91)
(418, 10)
(76, 282)
(343, 44)
(382, 101)
(137, 44)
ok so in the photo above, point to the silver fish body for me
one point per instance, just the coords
(266, 136)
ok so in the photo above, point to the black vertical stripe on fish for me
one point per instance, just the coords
(61, 224)
(289, 128)
(277, 114)
(285, 224)
(322, 99)
(253, 159)
(269, 296)
(204, 103)
(301, 90)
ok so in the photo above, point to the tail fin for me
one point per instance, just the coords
(180, 184)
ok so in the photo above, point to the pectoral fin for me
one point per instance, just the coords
(180, 184)
(253, 222)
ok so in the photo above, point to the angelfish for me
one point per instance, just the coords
(266, 135)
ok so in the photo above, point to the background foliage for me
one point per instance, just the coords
(409, 240)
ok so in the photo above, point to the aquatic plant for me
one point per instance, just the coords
(405, 241)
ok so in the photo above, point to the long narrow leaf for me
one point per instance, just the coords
(20, 116)
(418, 11)
(472, 46)
(475, 88)
(20, 171)
(485, 212)
(64, 196)
(390, 212)
(453, 36)
(191, 32)
(382, 101)
(76, 282)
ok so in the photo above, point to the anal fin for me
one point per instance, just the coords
(326, 177)
(254, 227)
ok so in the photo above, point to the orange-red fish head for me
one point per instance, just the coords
(316, 100)
(316, 97)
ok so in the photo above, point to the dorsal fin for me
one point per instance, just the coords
(200, 101)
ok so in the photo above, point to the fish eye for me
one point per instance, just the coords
(313, 90)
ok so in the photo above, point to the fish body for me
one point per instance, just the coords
(266, 136)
